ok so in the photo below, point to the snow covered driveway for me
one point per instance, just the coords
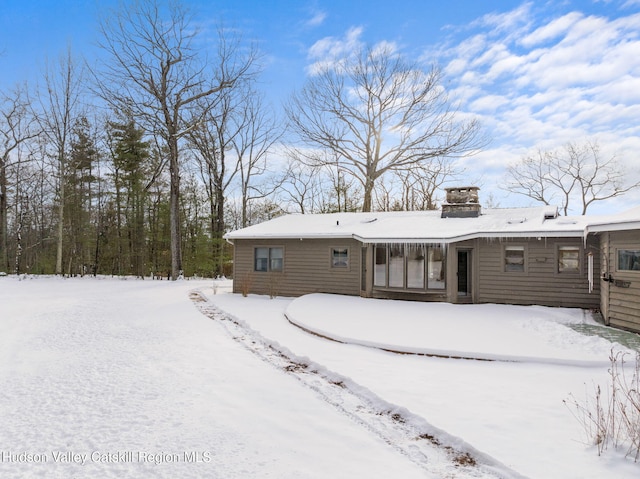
(126, 379)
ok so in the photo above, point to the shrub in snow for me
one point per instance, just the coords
(612, 417)
(245, 284)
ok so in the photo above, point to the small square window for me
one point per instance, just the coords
(629, 260)
(339, 257)
(514, 259)
(568, 259)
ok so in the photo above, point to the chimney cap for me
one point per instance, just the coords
(471, 188)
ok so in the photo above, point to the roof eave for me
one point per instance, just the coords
(417, 239)
(305, 236)
(621, 226)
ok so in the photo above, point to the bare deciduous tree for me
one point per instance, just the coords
(16, 128)
(302, 187)
(325, 187)
(379, 113)
(60, 107)
(211, 141)
(258, 132)
(157, 72)
(574, 173)
(529, 177)
(419, 186)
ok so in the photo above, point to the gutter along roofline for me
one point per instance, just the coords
(471, 236)
(304, 236)
(578, 233)
(614, 226)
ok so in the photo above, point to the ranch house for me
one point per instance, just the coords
(460, 254)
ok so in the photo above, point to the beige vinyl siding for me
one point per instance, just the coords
(540, 282)
(307, 268)
(623, 303)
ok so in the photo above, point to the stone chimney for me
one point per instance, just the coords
(462, 202)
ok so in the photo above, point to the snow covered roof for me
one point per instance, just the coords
(627, 220)
(429, 227)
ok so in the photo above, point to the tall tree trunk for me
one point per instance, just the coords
(96, 251)
(60, 219)
(119, 266)
(174, 212)
(18, 243)
(219, 231)
(4, 256)
(368, 194)
(139, 234)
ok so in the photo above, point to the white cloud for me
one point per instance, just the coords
(493, 53)
(384, 48)
(472, 46)
(335, 47)
(552, 30)
(546, 82)
(455, 67)
(507, 65)
(510, 22)
(317, 19)
(330, 51)
(489, 103)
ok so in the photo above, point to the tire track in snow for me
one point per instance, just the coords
(442, 456)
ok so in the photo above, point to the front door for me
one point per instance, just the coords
(464, 273)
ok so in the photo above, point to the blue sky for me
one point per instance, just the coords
(537, 74)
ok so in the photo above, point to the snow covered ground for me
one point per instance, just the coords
(129, 378)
